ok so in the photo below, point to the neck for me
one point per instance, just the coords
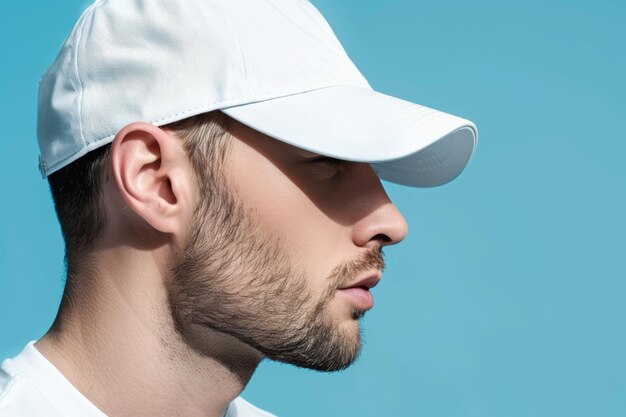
(114, 339)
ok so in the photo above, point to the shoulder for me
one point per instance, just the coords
(242, 408)
(18, 397)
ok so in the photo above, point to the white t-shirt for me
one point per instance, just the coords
(30, 385)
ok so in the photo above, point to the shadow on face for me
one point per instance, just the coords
(344, 191)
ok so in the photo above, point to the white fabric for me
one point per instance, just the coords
(406, 143)
(31, 386)
(268, 63)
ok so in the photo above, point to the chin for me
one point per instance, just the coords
(326, 355)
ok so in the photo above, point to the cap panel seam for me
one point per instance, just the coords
(341, 53)
(76, 34)
(79, 37)
(238, 44)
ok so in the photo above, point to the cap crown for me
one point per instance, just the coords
(163, 60)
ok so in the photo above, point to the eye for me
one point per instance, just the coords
(326, 161)
(324, 167)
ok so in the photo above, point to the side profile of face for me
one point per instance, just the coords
(267, 256)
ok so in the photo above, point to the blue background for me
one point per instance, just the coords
(508, 297)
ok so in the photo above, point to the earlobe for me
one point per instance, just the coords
(149, 175)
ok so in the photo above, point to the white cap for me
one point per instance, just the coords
(274, 65)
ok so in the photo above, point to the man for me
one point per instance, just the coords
(215, 169)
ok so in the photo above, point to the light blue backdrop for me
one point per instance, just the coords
(508, 297)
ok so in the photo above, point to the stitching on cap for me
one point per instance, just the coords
(236, 38)
(80, 82)
(261, 97)
(267, 95)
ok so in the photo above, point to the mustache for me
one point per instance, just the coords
(371, 260)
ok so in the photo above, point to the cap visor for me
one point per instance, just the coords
(406, 143)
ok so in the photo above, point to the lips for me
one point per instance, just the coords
(360, 298)
(366, 283)
(358, 293)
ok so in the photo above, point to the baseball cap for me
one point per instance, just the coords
(273, 65)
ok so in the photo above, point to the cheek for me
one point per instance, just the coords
(283, 210)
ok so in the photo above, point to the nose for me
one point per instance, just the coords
(385, 225)
(382, 222)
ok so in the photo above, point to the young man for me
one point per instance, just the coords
(215, 169)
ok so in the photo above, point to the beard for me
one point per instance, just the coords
(233, 278)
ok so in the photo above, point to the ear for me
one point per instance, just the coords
(153, 175)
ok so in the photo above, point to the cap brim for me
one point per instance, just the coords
(406, 143)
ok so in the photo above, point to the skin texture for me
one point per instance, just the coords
(184, 297)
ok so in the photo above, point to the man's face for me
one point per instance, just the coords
(269, 253)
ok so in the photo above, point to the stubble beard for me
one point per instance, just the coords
(235, 279)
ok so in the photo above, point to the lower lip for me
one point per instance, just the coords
(360, 297)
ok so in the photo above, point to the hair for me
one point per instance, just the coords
(77, 189)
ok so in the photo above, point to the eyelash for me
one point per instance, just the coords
(326, 160)
(328, 165)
